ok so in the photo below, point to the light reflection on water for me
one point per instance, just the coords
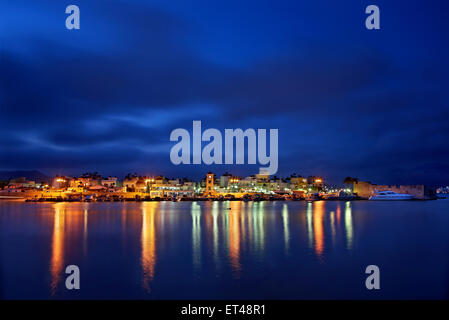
(236, 218)
(234, 236)
(285, 225)
(196, 235)
(318, 228)
(148, 244)
(215, 213)
(215, 244)
(57, 248)
(348, 225)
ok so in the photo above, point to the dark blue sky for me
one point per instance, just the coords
(346, 100)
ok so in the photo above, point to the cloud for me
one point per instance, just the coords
(109, 96)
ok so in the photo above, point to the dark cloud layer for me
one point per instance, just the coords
(106, 97)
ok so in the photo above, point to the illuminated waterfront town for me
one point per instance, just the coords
(94, 187)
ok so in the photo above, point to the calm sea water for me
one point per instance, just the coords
(232, 250)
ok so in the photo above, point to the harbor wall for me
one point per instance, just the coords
(420, 191)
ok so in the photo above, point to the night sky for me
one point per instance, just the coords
(347, 101)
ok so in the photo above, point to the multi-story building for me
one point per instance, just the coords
(87, 180)
(298, 183)
(224, 180)
(110, 182)
(315, 182)
(61, 182)
(130, 183)
(21, 183)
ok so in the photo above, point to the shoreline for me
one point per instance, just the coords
(144, 197)
(196, 200)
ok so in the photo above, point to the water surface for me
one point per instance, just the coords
(232, 250)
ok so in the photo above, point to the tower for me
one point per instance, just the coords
(209, 184)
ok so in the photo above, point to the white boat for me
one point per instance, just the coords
(390, 195)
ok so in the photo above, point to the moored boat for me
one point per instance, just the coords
(390, 195)
(313, 197)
